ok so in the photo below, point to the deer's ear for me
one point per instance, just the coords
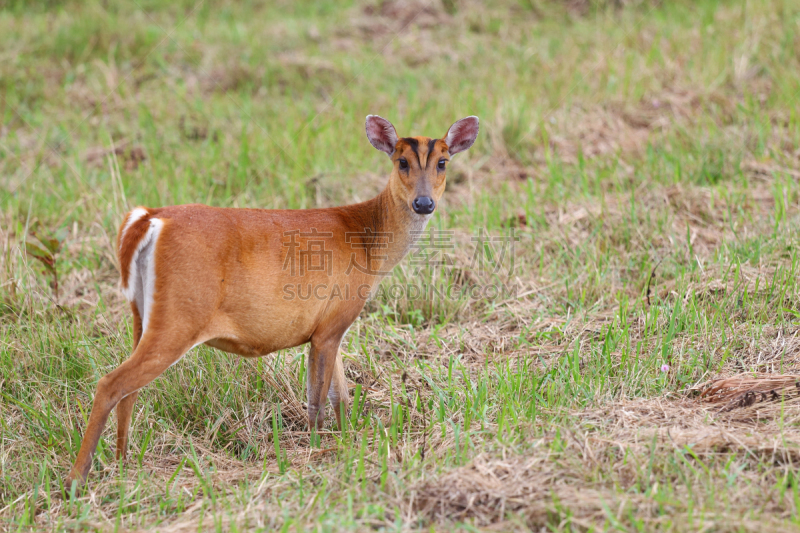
(462, 134)
(381, 134)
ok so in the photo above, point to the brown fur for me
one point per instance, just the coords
(410, 185)
(221, 278)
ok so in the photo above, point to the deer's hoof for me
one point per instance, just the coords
(74, 478)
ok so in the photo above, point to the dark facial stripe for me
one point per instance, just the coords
(431, 148)
(414, 144)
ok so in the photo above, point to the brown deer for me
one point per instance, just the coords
(253, 281)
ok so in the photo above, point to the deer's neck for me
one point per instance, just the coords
(397, 228)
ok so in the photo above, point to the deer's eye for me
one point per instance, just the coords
(442, 163)
(403, 163)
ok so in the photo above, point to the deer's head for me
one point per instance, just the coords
(420, 163)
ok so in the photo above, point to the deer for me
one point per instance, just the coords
(254, 281)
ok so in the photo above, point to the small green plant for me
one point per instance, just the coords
(276, 439)
(46, 252)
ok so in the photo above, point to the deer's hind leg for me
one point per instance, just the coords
(125, 405)
(156, 351)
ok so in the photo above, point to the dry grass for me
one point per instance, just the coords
(576, 473)
(645, 154)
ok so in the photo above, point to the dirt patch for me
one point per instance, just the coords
(754, 417)
(231, 77)
(582, 8)
(767, 170)
(594, 133)
(388, 17)
(485, 491)
(131, 155)
(624, 128)
(525, 143)
(405, 31)
(556, 479)
(746, 390)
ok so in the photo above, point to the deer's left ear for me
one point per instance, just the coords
(462, 134)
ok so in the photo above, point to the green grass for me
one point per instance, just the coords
(626, 142)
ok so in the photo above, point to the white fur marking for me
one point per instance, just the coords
(149, 272)
(128, 284)
(135, 215)
(130, 289)
(415, 232)
(141, 271)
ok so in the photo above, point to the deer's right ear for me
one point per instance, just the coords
(462, 134)
(381, 134)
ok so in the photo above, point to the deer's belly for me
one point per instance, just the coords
(261, 329)
(245, 348)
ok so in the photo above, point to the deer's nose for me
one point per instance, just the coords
(424, 205)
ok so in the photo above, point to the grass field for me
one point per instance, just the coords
(637, 372)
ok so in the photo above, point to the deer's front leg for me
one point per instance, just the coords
(321, 367)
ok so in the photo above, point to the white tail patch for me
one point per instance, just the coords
(133, 217)
(142, 271)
